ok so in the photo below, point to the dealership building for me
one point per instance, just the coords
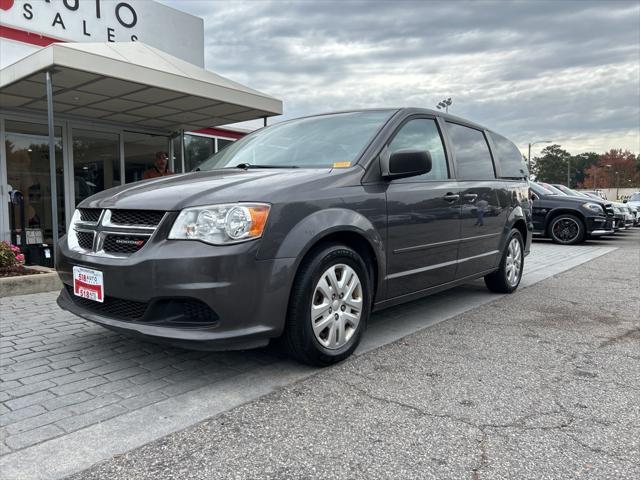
(102, 86)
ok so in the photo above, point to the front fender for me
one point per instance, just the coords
(320, 224)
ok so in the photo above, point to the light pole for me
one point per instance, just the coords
(617, 185)
(531, 145)
(569, 172)
(608, 167)
(445, 104)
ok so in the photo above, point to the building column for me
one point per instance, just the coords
(52, 159)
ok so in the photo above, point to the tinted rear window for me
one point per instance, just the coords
(473, 158)
(512, 164)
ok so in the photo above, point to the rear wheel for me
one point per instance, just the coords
(329, 306)
(567, 230)
(507, 278)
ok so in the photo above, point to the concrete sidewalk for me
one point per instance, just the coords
(544, 384)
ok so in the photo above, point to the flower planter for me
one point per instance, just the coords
(46, 281)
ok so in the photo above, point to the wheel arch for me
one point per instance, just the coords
(562, 211)
(518, 221)
(337, 226)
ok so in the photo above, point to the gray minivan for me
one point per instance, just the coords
(300, 230)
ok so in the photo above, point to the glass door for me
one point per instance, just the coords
(29, 182)
(141, 152)
(96, 162)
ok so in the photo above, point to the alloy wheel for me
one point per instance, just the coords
(336, 306)
(513, 263)
(566, 230)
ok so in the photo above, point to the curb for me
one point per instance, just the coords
(43, 282)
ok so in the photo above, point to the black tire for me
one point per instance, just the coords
(498, 281)
(299, 338)
(567, 229)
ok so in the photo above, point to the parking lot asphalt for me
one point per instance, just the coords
(542, 384)
(73, 394)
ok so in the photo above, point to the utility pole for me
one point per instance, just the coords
(569, 172)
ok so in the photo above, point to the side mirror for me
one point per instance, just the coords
(534, 197)
(405, 163)
(625, 200)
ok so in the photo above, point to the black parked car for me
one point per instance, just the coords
(301, 229)
(567, 219)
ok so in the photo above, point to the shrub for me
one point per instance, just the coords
(10, 255)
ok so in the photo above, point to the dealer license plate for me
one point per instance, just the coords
(88, 283)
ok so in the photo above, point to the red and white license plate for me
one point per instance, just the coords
(88, 283)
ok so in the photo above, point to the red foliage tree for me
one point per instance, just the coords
(614, 168)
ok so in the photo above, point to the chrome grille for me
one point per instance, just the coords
(114, 233)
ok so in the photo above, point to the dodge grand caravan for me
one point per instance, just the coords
(300, 230)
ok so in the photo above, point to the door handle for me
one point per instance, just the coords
(470, 196)
(450, 197)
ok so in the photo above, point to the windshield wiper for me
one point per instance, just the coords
(247, 166)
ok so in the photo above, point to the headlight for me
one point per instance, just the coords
(221, 224)
(594, 207)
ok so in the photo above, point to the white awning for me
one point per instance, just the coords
(130, 84)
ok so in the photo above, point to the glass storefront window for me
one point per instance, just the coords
(140, 150)
(29, 177)
(196, 150)
(223, 142)
(96, 162)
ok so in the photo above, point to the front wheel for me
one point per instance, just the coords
(329, 306)
(567, 230)
(507, 278)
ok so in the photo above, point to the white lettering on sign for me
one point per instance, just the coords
(170, 30)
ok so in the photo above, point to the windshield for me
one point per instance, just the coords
(321, 141)
(575, 193)
(594, 196)
(552, 189)
(540, 190)
(635, 197)
(567, 191)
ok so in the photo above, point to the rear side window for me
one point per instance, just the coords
(423, 134)
(511, 161)
(473, 157)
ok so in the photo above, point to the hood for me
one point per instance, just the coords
(572, 200)
(176, 192)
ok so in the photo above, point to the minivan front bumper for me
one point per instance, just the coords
(185, 293)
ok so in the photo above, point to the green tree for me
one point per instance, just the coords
(551, 167)
(579, 164)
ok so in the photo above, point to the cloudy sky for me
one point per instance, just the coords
(567, 71)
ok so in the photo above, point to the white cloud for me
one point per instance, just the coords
(564, 70)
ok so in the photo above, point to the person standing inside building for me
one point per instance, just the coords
(160, 167)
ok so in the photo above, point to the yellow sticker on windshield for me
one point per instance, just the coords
(341, 164)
